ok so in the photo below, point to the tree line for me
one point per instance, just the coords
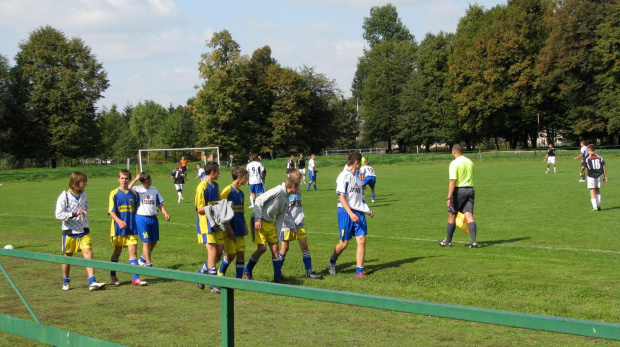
(506, 74)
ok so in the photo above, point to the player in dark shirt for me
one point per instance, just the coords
(597, 173)
(550, 158)
(301, 166)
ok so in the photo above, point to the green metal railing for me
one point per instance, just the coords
(54, 336)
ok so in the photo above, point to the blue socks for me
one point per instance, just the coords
(359, 270)
(250, 267)
(223, 267)
(307, 261)
(134, 262)
(239, 270)
(277, 268)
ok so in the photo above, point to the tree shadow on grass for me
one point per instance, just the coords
(499, 242)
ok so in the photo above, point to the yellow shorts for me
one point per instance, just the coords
(234, 247)
(291, 236)
(75, 244)
(216, 238)
(124, 240)
(265, 235)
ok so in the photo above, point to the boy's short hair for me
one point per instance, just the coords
(198, 164)
(210, 167)
(124, 172)
(591, 147)
(145, 176)
(238, 171)
(290, 183)
(457, 148)
(75, 180)
(353, 156)
(253, 157)
(295, 174)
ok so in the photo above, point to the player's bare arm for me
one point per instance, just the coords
(451, 186)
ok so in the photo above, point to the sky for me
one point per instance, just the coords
(150, 49)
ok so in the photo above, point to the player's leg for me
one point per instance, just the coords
(307, 259)
(87, 252)
(468, 210)
(132, 250)
(593, 187)
(451, 225)
(345, 225)
(117, 243)
(260, 250)
(360, 254)
(231, 251)
(66, 269)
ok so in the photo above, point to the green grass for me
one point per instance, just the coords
(542, 251)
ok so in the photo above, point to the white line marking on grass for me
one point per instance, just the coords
(493, 245)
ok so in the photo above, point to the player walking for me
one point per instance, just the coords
(369, 178)
(582, 153)
(596, 168)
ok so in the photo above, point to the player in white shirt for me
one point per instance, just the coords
(256, 173)
(146, 216)
(201, 172)
(582, 153)
(351, 214)
(312, 172)
(369, 179)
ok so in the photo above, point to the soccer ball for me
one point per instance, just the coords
(8, 247)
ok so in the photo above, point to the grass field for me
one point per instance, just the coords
(542, 251)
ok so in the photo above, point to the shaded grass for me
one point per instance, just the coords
(542, 251)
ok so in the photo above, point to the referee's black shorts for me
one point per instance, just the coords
(463, 199)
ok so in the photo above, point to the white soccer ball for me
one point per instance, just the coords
(8, 247)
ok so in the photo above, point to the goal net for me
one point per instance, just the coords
(166, 159)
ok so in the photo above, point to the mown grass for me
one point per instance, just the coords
(542, 251)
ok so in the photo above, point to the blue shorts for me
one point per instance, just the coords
(257, 188)
(347, 228)
(312, 177)
(148, 228)
(370, 180)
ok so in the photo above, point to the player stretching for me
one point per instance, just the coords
(147, 223)
(550, 158)
(596, 168)
(368, 177)
(351, 214)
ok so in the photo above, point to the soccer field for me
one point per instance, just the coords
(541, 251)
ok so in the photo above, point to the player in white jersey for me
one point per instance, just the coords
(256, 178)
(582, 153)
(369, 178)
(351, 214)
(201, 172)
(312, 172)
(146, 216)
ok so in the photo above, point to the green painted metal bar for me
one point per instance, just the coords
(47, 334)
(474, 314)
(228, 317)
(19, 293)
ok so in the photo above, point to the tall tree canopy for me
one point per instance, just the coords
(59, 82)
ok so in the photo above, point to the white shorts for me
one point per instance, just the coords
(302, 171)
(179, 187)
(594, 183)
(551, 160)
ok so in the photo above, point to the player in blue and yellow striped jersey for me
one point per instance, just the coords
(234, 238)
(207, 193)
(123, 204)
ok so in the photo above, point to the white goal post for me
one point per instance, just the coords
(204, 151)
